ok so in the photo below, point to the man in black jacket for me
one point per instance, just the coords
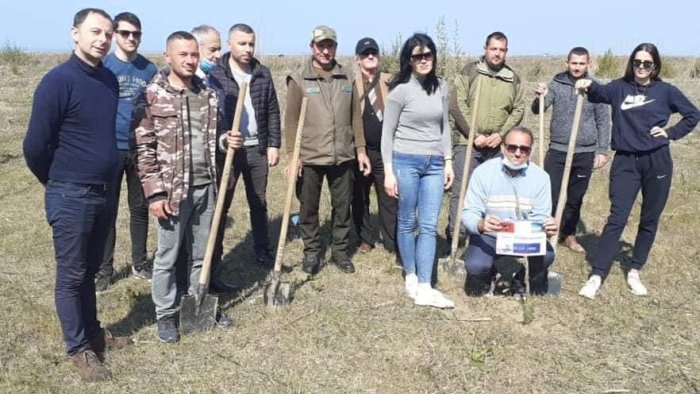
(260, 126)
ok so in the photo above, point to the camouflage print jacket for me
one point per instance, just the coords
(160, 140)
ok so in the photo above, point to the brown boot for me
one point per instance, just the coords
(106, 341)
(573, 245)
(89, 367)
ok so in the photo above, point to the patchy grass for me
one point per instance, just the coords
(359, 333)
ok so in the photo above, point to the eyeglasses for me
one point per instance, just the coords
(126, 33)
(427, 56)
(512, 148)
(645, 64)
(369, 52)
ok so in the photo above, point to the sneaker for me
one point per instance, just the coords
(427, 296)
(144, 273)
(591, 287)
(89, 366)
(411, 285)
(167, 329)
(106, 341)
(635, 283)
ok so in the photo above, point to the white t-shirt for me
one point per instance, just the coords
(249, 125)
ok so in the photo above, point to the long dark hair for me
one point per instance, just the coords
(431, 81)
(654, 52)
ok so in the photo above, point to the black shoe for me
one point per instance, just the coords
(311, 264)
(264, 259)
(102, 283)
(477, 286)
(167, 329)
(345, 265)
(221, 286)
(223, 321)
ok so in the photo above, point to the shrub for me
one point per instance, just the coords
(695, 69)
(608, 65)
(13, 55)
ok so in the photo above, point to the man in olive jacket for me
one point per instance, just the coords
(329, 138)
(501, 107)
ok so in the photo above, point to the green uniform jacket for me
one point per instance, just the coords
(501, 104)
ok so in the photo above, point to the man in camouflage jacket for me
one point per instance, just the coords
(174, 143)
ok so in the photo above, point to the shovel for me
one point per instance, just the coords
(278, 293)
(452, 264)
(198, 311)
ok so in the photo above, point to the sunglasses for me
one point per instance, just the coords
(369, 52)
(126, 33)
(427, 56)
(645, 64)
(512, 148)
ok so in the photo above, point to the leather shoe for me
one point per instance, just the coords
(364, 248)
(573, 245)
(345, 265)
(311, 264)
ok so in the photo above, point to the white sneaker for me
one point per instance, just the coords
(635, 283)
(591, 287)
(427, 296)
(411, 285)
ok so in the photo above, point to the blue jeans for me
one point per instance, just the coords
(80, 217)
(478, 259)
(420, 180)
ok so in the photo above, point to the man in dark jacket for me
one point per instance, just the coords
(592, 142)
(260, 128)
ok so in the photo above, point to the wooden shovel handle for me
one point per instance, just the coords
(465, 170)
(541, 133)
(563, 191)
(221, 193)
(291, 182)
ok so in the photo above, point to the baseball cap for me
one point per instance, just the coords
(321, 33)
(365, 44)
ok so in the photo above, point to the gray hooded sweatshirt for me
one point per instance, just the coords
(594, 132)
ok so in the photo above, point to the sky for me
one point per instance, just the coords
(284, 27)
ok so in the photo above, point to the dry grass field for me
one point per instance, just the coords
(359, 333)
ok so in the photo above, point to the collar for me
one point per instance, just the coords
(310, 72)
(83, 65)
(505, 73)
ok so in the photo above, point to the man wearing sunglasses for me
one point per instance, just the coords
(133, 72)
(501, 108)
(592, 142)
(501, 191)
(371, 90)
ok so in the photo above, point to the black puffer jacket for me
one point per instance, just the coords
(262, 93)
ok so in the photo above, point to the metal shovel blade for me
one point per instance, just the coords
(277, 293)
(196, 315)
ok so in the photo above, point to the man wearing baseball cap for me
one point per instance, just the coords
(370, 92)
(332, 132)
